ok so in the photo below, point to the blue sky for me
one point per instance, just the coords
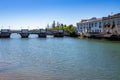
(38, 13)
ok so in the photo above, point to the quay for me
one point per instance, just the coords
(112, 37)
(95, 35)
(109, 37)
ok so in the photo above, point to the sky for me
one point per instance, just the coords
(34, 14)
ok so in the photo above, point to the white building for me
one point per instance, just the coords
(111, 24)
(93, 25)
(105, 25)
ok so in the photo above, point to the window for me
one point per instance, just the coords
(100, 23)
(118, 23)
(92, 24)
(89, 25)
(95, 24)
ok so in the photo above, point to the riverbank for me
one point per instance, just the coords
(109, 37)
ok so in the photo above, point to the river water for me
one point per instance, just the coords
(58, 59)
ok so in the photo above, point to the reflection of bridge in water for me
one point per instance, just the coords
(6, 33)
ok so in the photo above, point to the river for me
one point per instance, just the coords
(58, 59)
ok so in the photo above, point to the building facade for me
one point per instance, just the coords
(93, 25)
(106, 25)
(111, 24)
